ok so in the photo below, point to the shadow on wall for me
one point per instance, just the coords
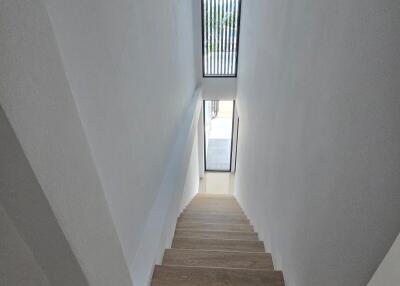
(29, 212)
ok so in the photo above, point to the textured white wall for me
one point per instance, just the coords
(219, 88)
(191, 187)
(27, 209)
(130, 65)
(18, 265)
(388, 273)
(319, 147)
(37, 100)
(176, 184)
(97, 92)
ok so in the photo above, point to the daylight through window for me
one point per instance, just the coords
(221, 21)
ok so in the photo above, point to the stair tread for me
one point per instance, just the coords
(200, 276)
(240, 235)
(213, 212)
(216, 258)
(208, 195)
(215, 226)
(214, 207)
(218, 244)
(223, 211)
(214, 220)
(214, 215)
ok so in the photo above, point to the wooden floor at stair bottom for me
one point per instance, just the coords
(215, 245)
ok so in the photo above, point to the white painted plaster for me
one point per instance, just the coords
(388, 273)
(180, 183)
(130, 66)
(36, 97)
(318, 169)
(18, 265)
(219, 88)
(29, 211)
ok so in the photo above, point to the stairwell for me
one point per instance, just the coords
(215, 244)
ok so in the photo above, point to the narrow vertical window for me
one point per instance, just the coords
(221, 23)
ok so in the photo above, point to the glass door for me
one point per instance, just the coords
(218, 122)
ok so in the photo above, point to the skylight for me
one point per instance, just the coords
(221, 22)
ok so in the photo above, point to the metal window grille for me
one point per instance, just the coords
(220, 22)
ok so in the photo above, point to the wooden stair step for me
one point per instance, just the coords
(213, 215)
(214, 196)
(213, 212)
(215, 200)
(214, 258)
(218, 244)
(221, 199)
(214, 203)
(182, 233)
(200, 276)
(214, 209)
(213, 220)
(216, 226)
(224, 211)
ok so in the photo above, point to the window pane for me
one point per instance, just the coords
(221, 21)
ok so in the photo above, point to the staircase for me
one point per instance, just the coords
(214, 244)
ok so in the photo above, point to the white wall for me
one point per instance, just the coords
(18, 265)
(200, 145)
(388, 273)
(191, 187)
(318, 168)
(96, 92)
(26, 208)
(178, 184)
(219, 88)
(37, 100)
(130, 65)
